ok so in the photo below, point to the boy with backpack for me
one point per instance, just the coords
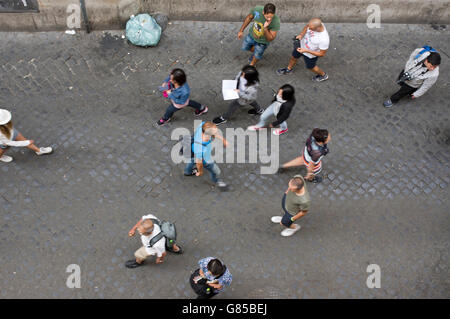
(420, 73)
(157, 237)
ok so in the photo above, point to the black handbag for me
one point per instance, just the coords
(201, 288)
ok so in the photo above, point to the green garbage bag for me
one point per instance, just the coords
(142, 30)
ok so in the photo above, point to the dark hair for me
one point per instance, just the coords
(288, 92)
(179, 76)
(434, 58)
(269, 8)
(251, 74)
(320, 135)
(298, 183)
(216, 268)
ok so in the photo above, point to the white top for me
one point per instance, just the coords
(315, 41)
(8, 141)
(159, 247)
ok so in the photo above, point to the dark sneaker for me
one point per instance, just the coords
(219, 120)
(254, 112)
(194, 171)
(203, 111)
(281, 170)
(162, 121)
(320, 78)
(317, 179)
(284, 71)
(132, 264)
(388, 103)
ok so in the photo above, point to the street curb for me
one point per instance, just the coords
(113, 14)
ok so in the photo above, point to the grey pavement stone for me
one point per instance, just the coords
(94, 99)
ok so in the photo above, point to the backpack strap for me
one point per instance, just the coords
(160, 235)
(155, 239)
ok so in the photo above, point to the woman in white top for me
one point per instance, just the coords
(11, 137)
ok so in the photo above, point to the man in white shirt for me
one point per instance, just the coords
(314, 42)
(147, 229)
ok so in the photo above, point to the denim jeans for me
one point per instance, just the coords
(249, 42)
(265, 116)
(172, 109)
(212, 168)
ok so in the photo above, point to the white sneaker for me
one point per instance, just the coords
(44, 150)
(276, 219)
(6, 158)
(290, 231)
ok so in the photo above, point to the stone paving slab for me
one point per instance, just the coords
(94, 99)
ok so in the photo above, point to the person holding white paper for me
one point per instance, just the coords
(247, 89)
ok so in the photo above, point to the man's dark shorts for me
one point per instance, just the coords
(310, 62)
(286, 220)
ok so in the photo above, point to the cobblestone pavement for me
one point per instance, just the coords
(384, 200)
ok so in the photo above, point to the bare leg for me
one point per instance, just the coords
(252, 49)
(31, 146)
(2, 151)
(292, 63)
(254, 61)
(298, 161)
(317, 70)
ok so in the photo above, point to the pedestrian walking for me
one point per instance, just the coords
(311, 44)
(420, 73)
(10, 136)
(247, 88)
(210, 278)
(176, 89)
(201, 153)
(263, 30)
(316, 148)
(156, 237)
(281, 108)
(295, 203)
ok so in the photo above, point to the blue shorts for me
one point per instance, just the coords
(249, 42)
(286, 220)
(15, 133)
(310, 62)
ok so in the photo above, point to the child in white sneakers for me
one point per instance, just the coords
(11, 137)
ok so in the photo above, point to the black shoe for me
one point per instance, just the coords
(132, 264)
(194, 171)
(254, 112)
(317, 179)
(281, 170)
(219, 120)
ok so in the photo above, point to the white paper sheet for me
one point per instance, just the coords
(228, 90)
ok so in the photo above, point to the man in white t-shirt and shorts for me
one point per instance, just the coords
(314, 43)
(148, 229)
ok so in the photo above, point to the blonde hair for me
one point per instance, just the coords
(6, 129)
(208, 126)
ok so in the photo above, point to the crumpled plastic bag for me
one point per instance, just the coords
(142, 30)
